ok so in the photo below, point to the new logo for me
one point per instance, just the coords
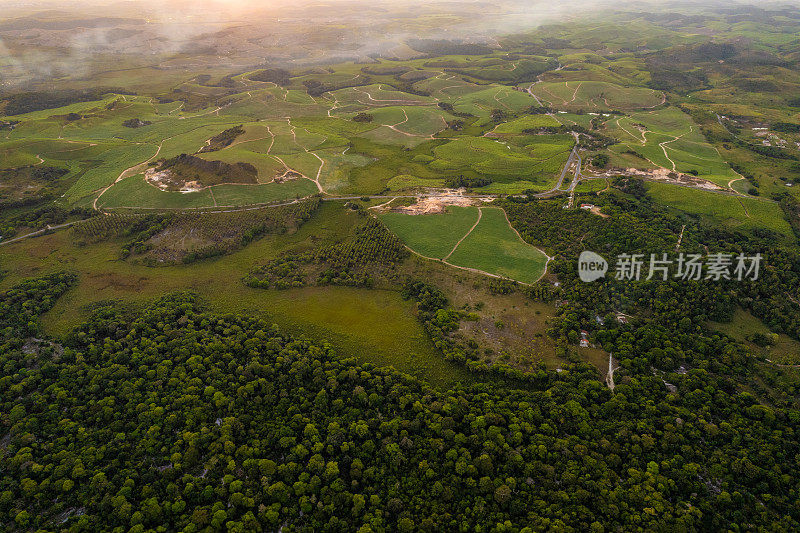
(591, 266)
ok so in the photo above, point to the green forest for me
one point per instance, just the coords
(179, 419)
(315, 267)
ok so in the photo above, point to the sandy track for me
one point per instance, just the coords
(475, 225)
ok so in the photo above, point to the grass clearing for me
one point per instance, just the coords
(432, 235)
(494, 247)
(596, 95)
(744, 325)
(539, 161)
(375, 326)
(670, 139)
(739, 212)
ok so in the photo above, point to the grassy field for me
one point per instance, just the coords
(373, 325)
(733, 211)
(481, 103)
(432, 235)
(533, 158)
(670, 139)
(494, 247)
(405, 181)
(373, 127)
(135, 192)
(526, 122)
(785, 350)
(596, 96)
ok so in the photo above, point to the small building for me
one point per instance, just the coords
(587, 207)
(584, 343)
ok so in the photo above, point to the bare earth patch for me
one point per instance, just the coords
(289, 175)
(166, 181)
(665, 175)
(596, 211)
(430, 205)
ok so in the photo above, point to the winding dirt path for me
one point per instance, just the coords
(475, 225)
(680, 238)
(125, 173)
(770, 361)
(575, 94)
(321, 161)
(394, 127)
(499, 101)
(664, 144)
(642, 133)
(611, 370)
(380, 102)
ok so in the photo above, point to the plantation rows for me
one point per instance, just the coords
(187, 237)
(244, 226)
(105, 227)
(343, 263)
(371, 243)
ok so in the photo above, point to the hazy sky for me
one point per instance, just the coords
(257, 31)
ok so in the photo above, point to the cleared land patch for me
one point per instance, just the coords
(494, 247)
(432, 235)
(475, 238)
(732, 211)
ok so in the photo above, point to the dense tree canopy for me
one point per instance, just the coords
(177, 419)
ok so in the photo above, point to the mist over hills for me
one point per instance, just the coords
(42, 42)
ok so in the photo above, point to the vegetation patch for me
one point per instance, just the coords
(164, 239)
(27, 102)
(278, 76)
(188, 173)
(29, 185)
(731, 211)
(370, 251)
(432, 235)
(222, 140)
(494, 247)
(136, 123)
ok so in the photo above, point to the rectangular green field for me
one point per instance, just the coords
(432, 235)
(494, 247)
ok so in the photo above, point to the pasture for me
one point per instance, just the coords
(743, 327)
(494, 247)
(375, 326)
(536, 159)
(474, 238)
(432, 236)
(669, 138)
(596, 96)
(741, 212)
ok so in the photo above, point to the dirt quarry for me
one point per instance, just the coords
(438, 203)
(288, 175)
